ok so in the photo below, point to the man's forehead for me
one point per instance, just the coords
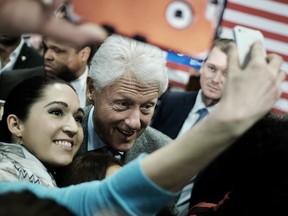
(60, 43)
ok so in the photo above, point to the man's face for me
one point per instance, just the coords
(213, 75)
(123, 111)
(62, 60)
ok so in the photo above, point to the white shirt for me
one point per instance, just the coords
(183, 201)
(12, 58)
(193, 115)
(94, 141)
(80, 86)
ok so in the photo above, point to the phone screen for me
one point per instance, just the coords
(183, 26)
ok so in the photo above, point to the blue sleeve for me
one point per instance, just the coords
(128, 192)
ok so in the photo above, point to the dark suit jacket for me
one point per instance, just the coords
(173, 111)
(28, 58)
(9, 79)
(148, 142)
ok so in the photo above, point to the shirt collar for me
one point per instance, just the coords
(94, 141)
(199, 104)
(13, 57)
(80, 86)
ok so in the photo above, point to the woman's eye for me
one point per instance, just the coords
(79, 119)
(57, 112)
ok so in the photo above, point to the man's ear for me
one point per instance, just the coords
(90, 90)
(85, 53)
(15, 125)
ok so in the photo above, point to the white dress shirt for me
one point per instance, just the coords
(80, 86)
(183, 201)
(193, 115)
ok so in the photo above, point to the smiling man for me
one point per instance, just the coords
(126, 78)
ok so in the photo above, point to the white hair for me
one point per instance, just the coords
(123, 57)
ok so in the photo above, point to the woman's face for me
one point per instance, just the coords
(53, 131)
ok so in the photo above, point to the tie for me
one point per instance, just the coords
(184, 199)
(114, 153)
(202, 113)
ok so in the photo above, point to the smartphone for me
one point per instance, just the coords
(244, 38)
(183, 26)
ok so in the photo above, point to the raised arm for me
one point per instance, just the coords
(249, 95)
(36, 16)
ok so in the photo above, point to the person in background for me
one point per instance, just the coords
(159, 176)
(16, 54)
(179, 111)
(69, 62)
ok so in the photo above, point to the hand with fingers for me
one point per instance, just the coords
(35, 16)
(256, 87)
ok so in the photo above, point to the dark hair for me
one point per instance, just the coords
(22, 97)
(26, 203)
(222, 44)
(86, 167)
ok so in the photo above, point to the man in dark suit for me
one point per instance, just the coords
(18, 62)
(15, 54)
(179, 111)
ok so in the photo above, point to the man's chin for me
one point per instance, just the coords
(124, 147)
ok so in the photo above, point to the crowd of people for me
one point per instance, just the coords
(81, 129)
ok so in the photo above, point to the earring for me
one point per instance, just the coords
(19, 140)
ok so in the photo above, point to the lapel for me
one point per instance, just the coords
(84, 145)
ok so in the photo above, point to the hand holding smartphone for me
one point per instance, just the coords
(244, 38)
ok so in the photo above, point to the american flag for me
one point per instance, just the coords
(268, 16)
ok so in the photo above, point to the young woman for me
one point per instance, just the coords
(147, 184)
(41, 129)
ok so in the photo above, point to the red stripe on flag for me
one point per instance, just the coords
(257, 12)
(284, 95)
(177, 84)
(176, 66)
(281, 1)
(278, 111)
(285, 57)
(266, 34)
